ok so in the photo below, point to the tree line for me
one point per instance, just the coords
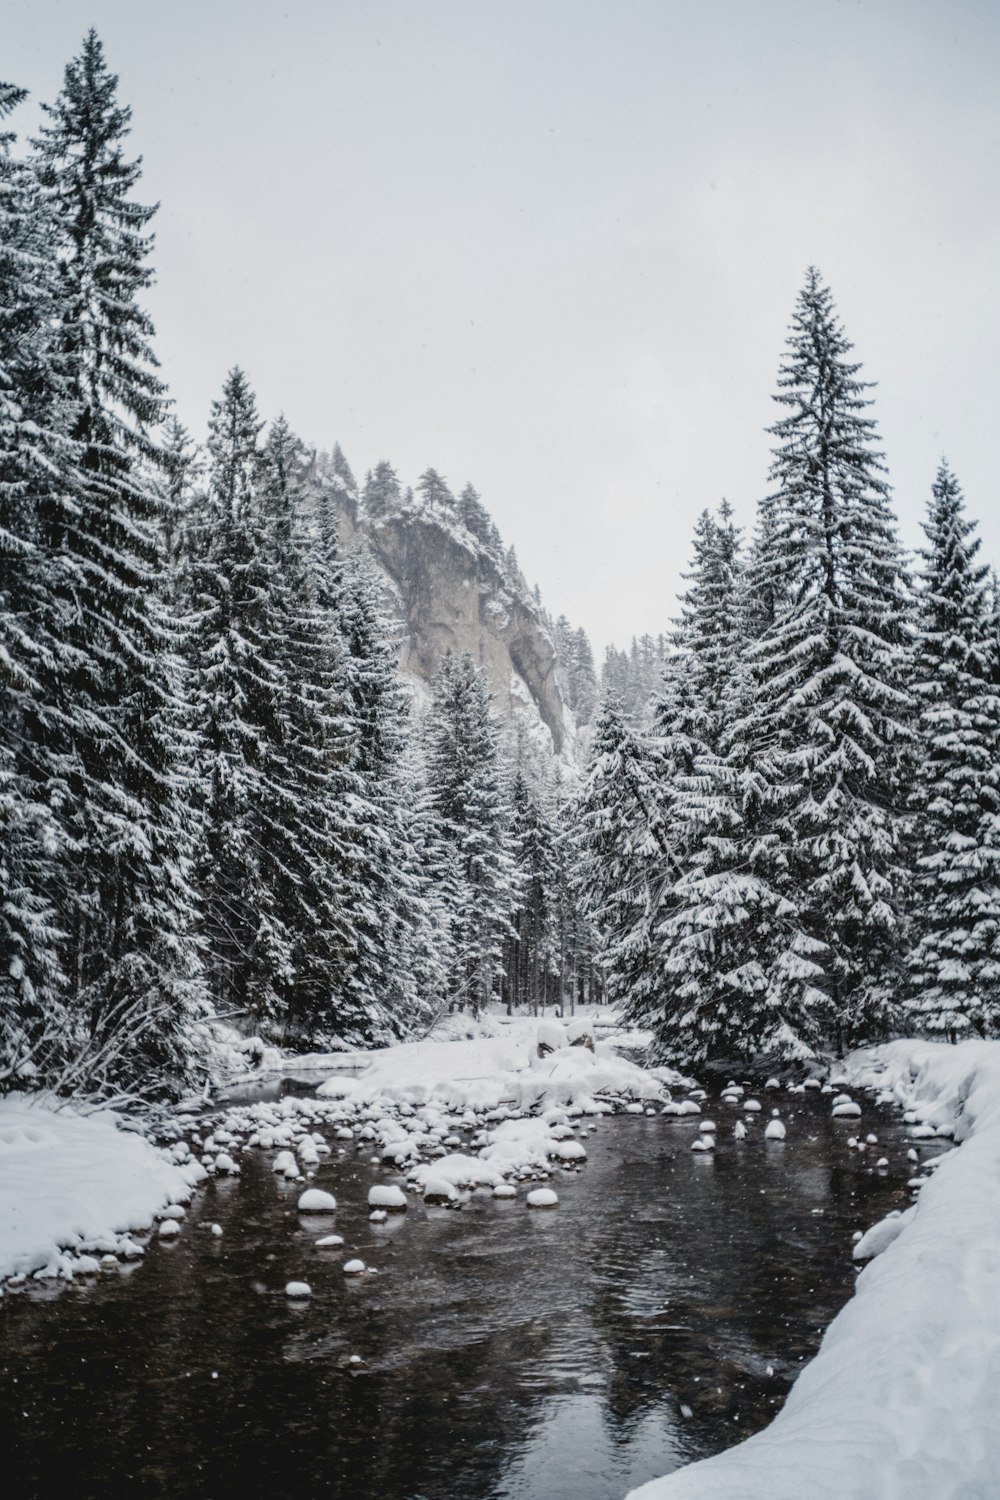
(217, 802)
(801, 847)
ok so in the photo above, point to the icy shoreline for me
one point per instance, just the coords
(900, 1401)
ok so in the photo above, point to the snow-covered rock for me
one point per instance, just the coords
(542, 1198)
(439, 1190)
(387, 1195)
(315, 1201)
(298, 1289)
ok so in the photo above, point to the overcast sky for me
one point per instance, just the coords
(552, 246)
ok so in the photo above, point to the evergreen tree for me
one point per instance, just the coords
(473, 515)
(725, 925)
(314, 815)
(179, 470)
(109, 715)
(381, 494)
(35, 456)
(436, 496)
(342, 469)
(624, 863)
(391, 887)
(531, 949)
(829, 698)
(584, 692)
(465, 779)
(954, 963)
(238, 686)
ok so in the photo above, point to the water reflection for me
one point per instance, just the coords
(507, 1355)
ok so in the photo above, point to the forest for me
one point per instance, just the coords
(220, 805)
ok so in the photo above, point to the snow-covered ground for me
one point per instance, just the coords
(74, 1188)
(900, 1403)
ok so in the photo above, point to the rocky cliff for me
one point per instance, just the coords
(450, 591)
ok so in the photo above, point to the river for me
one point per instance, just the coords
(659, 1314)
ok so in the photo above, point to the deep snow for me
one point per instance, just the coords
(72, 1186)
(900, 1403)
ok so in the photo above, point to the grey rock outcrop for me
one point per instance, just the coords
(451, 593)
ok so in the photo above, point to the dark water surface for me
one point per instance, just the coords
(508, 1354)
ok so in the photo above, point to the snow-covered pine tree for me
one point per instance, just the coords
(427, 895)
(179, 471)
(831, 702)
(35, 456)
(474, 516)
(726, 924)
(574, 935)
(343, 470)
(316, 847)
(717, 915)
(239, 690)
(381, 494)
(531, 950)
(436, 497)
(109, 715)
(954, 958)
(380, 709)
(584, 688)
(468, 796)
(623, 865)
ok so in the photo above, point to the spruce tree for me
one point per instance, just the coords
(381, 494)
(239, 688)
(35, 457)
(954, 960)
(109, 714)
(466, 785)
(314, 814)
(379, 708)
(624, 865)
(473, 515)
(532, 948)
(436, 497)
(830, 699)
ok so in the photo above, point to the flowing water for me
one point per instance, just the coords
(508, 1354)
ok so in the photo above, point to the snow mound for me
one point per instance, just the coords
(542, 1198)
(315, 1201)
(68, 1180)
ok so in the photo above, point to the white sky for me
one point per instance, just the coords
(552, 246)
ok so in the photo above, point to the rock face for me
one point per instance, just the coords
(451, 593)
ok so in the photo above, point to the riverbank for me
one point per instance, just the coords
(80, 1187)
(77, 1187)
(900, 1402)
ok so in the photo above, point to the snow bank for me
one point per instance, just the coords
(499, 1069)
(900, 1401)
(71, 1183)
